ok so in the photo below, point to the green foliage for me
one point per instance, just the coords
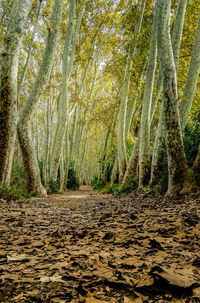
(155, 191)
(17, 177)
(109, 189)
(72, 182)
(191, 141)
(129, 185)
(97, 184)
(162, 185)
(53, 187)
(15, 193)
(121, 188)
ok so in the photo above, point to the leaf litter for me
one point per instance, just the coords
(82, 246)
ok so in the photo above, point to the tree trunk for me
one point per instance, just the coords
(132, 169)
(191, 82)
(121, 145)
(29, 49)
(144, 151)
(25, 139)
(159, 144)
(66, 72)
(8, 89)
(177, 165)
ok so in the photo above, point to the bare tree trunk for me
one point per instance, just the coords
(159, 143)
(121, 145)
(47, 144)
(144, 152)
(132, 169)
(24, 133)
(8, 89)
(66, 72)
(30, 48)
(177, 165)
(191, 82)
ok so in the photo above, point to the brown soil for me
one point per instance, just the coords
(82, 246)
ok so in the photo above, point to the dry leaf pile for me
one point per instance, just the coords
(85, 247)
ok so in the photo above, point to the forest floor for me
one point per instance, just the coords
(82, 246)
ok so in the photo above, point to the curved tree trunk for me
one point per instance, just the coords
(177, 165)
(24, 133)
(144, 151)
(66, 72)
(159, 143)
(191, 82)
(121, 145)
(132, 169)
(8, 89)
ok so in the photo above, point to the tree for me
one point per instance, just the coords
(8, 88)
(144, 152)
(177, 165)
(63, 102)
(33, 178)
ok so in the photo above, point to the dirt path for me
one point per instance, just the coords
(82, 246)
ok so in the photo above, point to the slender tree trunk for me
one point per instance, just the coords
(191, 82)
(144, 152)
(132, 169)
(24, 133)
(66, 72)
(159, 143)
(8, 89)
(177, 165)
(121, 145)
(47, 145)
(29, 49)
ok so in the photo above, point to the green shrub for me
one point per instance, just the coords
(119, 189)
(72, 182)
(53, 187)
(129, 185)
(191, 141)
(97, 184)
(108, 189)
(17, 177)
(15, 193)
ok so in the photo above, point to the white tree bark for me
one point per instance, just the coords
(159, 143)
(8, 89)
(66, 72)
(144, 152)
(177, 165)
(191, 82)
(24, 131)
(121, 144)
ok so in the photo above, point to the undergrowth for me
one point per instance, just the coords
(97, 184)
(15, 193)
(72, 182)
(53, 187)
(121, 188)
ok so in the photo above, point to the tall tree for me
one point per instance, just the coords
(159, 143)
(68, 59)
(144, 153)
(177, 165)
(33, 178)
(8, 88)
